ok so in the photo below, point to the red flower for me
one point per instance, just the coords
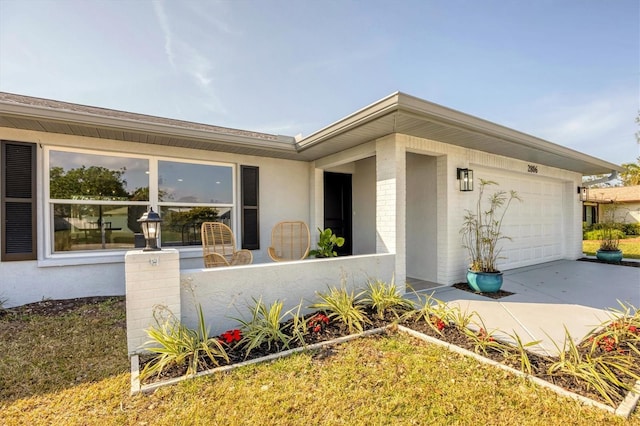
(231, 336)
(317, 322)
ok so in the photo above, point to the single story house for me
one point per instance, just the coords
(627, 199)
(75, 179)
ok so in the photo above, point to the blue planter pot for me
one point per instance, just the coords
(485, 282)
(613, 256)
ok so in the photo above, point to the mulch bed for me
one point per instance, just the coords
(50, 308)
(333, 330)
(450, 334)
(621, 263)
(497, 295)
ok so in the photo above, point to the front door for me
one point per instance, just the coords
(337, 208)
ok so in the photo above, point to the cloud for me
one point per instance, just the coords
(158, 7)
(599, 124)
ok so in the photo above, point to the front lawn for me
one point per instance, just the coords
(630, 247)
(71, 368)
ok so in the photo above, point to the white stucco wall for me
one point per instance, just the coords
(226, 293)
(452, 202)
(294, 190)
(364, 210)
(284, 195)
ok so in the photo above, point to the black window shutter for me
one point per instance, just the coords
(249, 188)
(18, 201)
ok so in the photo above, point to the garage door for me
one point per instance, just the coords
(536, 225)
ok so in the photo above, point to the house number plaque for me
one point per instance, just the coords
(532, 169)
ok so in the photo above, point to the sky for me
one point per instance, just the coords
(567, 71)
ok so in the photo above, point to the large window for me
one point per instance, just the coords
(96, 199)
(189, 194)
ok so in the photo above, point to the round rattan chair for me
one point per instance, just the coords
(290, 240)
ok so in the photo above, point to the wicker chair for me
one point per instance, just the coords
(219, 246)
(290, 240)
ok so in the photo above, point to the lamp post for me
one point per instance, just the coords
(150, 223)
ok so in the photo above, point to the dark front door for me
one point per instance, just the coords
(337, 208)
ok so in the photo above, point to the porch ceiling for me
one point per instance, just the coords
(397, 113)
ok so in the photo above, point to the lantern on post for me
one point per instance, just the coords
(150, 223)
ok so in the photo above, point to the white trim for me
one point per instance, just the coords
(46, 254)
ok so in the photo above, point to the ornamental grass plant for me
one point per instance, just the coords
(344, 306)
(385, 298)
(174, 344)
(266, 326)
(482, 228)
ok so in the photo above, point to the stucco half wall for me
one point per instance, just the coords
(227, 293)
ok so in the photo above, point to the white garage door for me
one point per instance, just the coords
(536, 225)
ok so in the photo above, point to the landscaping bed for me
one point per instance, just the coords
(603, 367)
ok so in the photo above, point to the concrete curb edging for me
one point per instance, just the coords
(137, 387)
(625, 408)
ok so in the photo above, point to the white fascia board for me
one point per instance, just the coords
(364, 115)
(459, 119)
(283, 143)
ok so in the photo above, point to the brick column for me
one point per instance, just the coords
(391, 195)
(152, 278)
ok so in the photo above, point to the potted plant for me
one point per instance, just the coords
(481, 232)
(326, 243)
(610, 235)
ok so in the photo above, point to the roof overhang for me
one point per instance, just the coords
(397, 113)
(36, 114)
(404, 114)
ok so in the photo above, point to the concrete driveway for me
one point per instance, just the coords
(551, 296)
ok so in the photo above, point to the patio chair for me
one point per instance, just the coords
(290, 240)
(219, 246)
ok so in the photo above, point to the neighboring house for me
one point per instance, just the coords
(76, 178)
(626, 197)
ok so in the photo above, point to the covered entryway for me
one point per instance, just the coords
(338, 208)
(421, 222)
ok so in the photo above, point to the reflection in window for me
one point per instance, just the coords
(79, 176)
(181, 225)
(95, 200)
(91, 226)
(195, 183)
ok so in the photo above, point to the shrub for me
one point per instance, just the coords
(267, 326)
(631, 228)
(599, 234)
(438, 314)
(343, 306)
(385, 298)
(174, 343)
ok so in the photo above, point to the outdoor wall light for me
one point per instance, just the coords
(465, 176)
(584, 193)
(150, 223)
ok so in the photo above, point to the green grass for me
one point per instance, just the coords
(81, 378)
(630, 247)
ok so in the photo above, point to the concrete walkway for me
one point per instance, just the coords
(552, 296)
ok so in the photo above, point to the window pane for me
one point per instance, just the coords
(195, 183)
(95, 227)
(78, 176)
(181, 225)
